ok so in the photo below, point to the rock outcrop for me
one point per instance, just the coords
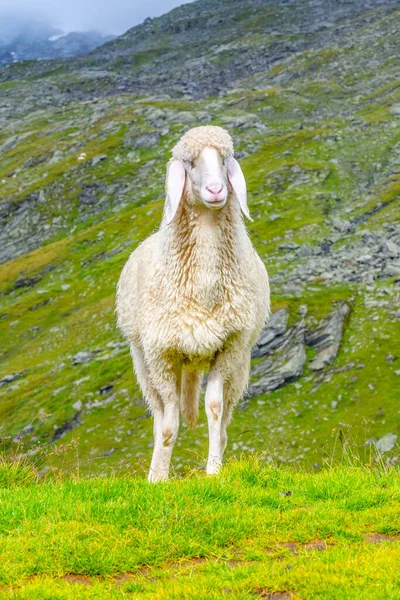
(325, 340)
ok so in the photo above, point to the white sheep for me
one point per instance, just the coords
(194, 296)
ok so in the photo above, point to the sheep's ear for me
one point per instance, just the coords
(238, 182)
(175, 184)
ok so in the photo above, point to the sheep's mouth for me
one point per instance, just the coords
(215, 203)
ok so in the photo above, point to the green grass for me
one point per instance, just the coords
(250, 532)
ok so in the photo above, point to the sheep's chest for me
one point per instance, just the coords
(196, 326)
(202, 298)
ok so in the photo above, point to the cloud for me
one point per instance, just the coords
(110, 16)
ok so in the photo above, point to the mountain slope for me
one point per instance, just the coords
(311, 94)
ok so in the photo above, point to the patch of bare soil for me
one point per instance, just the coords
(319, 545)
(268, 595)
(294, 547)
(378, 538)
(79, 579)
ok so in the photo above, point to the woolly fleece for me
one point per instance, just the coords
(192, 143)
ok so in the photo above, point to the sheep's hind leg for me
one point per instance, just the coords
(214, 411)
(190, 394)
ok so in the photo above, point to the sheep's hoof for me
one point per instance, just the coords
(213, 465)
(156, 476)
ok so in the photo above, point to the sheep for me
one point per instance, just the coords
(194, 296)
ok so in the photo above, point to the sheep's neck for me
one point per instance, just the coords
(204, 251)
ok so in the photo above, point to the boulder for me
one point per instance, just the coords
(387, 442)
(271, 335)
(83, 357)
(279, 374)
(98, 158)
(10, 378)
(144, 140)
(327, 337)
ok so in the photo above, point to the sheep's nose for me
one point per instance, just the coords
(215, 188)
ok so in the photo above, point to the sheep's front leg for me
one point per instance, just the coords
(166, 422)
(155, 473)
(166, 426)
(214, 410)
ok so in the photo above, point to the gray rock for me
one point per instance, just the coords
(25, 431)
(29, 163)
(365, 258)
(10, 378)
(183, 117)
(57, 156)
(279, 375)
(273, 329)
(340, 224)
(305, 250)
(392, 268)
(303, 310)
(370, 441)
(387, 442)
(242, 121)
(97, 159)
(145, 140)
(391, 248)
(327, 337)
(59, 432)
(156, 117)
(83, 357)
(288, 246)
(13, 141)
(395, 110)
(292, 288)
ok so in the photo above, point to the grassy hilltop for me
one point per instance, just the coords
(311, 95)
(251, 532)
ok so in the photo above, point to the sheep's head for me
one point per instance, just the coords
(203, 165)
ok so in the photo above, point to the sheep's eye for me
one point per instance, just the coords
(189, 164)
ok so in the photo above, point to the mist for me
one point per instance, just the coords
(107, 16)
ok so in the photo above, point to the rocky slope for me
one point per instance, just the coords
(311, 94)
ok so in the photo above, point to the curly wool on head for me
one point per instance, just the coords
(192, 143)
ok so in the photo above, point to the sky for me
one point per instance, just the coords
(108, 16)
